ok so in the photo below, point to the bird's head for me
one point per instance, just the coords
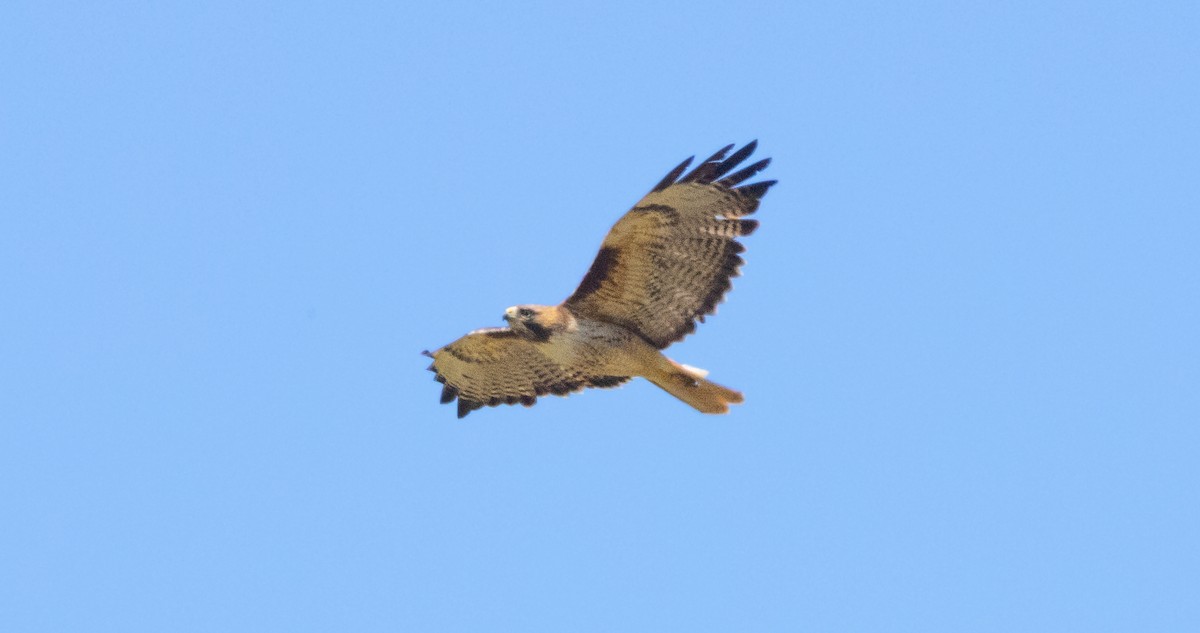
(531, 321)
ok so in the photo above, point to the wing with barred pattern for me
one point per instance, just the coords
(497, 366)
(668, 262)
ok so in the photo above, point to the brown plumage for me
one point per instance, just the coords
(664, 265)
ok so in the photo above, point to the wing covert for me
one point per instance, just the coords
(497, 366)
(668, 262)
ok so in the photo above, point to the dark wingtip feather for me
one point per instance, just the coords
(733, 161)
(426, 352)
(671, 177)
(720, 154)
(747, 227)
(736, 178)
(467, 406)
(757, 190)
(448, 393)
(703, 173)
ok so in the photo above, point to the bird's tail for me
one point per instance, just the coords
(688, 384)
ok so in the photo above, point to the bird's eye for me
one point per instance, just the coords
(525, 312)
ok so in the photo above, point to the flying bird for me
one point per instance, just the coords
(663, 266)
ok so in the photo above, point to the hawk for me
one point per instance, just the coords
(663, 266)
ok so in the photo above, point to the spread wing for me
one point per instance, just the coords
(669, 260)
(496, 366)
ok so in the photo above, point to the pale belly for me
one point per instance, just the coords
(610, 349)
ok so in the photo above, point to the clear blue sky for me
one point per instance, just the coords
(967, 329)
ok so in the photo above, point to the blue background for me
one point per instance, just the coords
(967, 330)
